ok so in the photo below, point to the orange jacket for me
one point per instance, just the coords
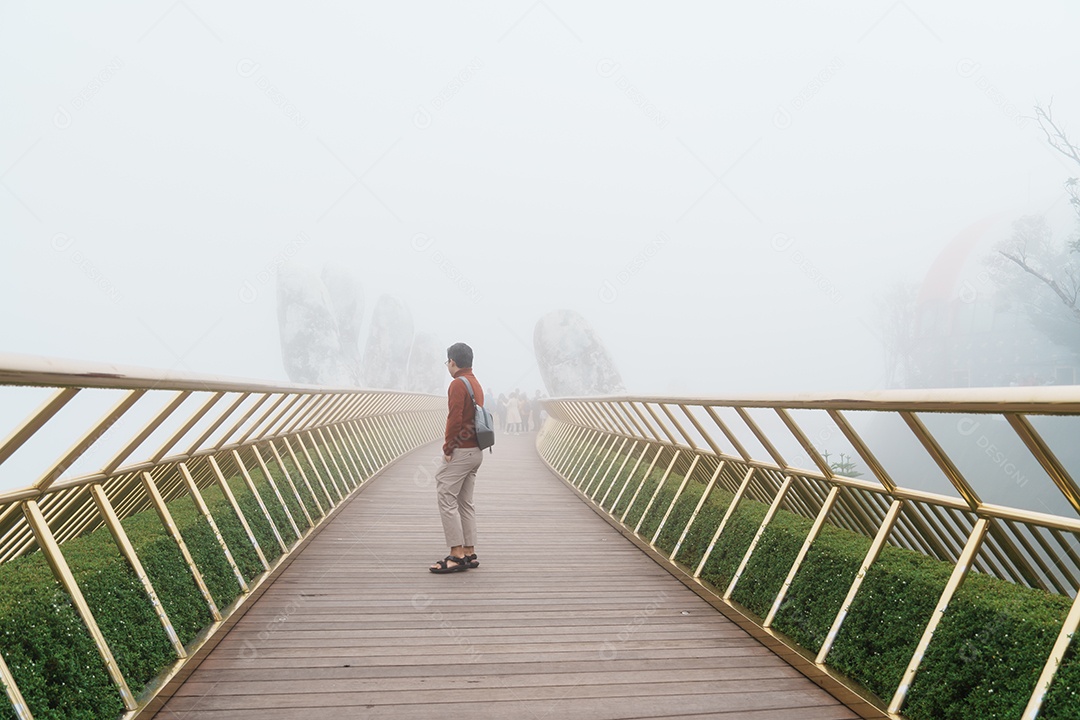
(461, 415)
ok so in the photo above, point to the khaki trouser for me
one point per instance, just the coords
(454, 485)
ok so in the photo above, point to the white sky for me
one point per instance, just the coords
(747, 179)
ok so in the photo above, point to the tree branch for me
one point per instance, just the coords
(1055, 136)
(1046, 280)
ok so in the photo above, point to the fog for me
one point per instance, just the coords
(722, 192)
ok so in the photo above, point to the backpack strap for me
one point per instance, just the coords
(469, 386)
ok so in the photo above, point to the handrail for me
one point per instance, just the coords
(754, 447)
(291, 454)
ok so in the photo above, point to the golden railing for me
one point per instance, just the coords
(775, 451)
(186, 429)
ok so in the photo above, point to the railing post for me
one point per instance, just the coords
(626, 459)
(630, 476)
(656, 492)
(55, 558)
(228, 493)
(608, 471)
(18, 704)
(757, 536)
(170, 527)
(314, 470)
(675, 499)
(265, 469)
(732, 506)
(815, 530)
(1057, 654)
(960, 571)
(108, 514)
(871, 556)
(701, 503)
(200, 504)
(644, 478)
(262, 505)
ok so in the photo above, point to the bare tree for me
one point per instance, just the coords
(1032, 250)
(1058, 139)
(1038, 273)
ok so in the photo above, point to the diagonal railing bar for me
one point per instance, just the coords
(18, 704)
(728, 433)
(226, 438)
(659, 423)
(761, 437)
(597, 417)
(706, 493)
(55, 558)
(36, 421)
(328, 410)
(91, 436)
(731, 508)
(687, 476)
(624, 419)
(641, 484)
(630, 476)
(1053, 570)
(815, 530)
(213, 427)
(265, 469)
(153, 424)
(862, 449)
(165, 515)
(263, 420)
(807, 446)
(288, 414)
(701, 430)
(636, 407)
(679, 427)
(773, 507)
(871, 556)
(618, 473)
(959, 573)
(260, 457)
(111, 519)
(306, 413)
(607, 418)
(591, 441)
(934, 449)
(1042, 452)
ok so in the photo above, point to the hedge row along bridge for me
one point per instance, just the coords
(209, 548)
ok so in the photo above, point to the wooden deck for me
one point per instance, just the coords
(564, 619)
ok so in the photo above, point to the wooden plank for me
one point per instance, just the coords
(564, 618)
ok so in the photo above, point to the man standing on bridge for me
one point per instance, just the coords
(461, 458)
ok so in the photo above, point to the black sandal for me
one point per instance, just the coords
(443, 566)
(473, 562)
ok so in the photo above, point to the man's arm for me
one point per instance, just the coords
(455, 417)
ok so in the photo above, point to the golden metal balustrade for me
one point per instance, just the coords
(943, 478)
(170, 436)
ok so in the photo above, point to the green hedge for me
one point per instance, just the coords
(51, 655)
(986, 654)
(819, 588)
(48, 650)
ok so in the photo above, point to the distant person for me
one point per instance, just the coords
(535, 407)
(500, 412)
(461, 459)
(513, 414)
(524, 409)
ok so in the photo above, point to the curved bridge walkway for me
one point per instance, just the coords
(565, 619)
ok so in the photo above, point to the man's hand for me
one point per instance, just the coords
(446, 458)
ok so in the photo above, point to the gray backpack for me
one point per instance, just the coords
(485, 424)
